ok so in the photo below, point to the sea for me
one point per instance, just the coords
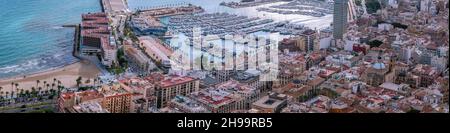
(32, 38)
(212, 6)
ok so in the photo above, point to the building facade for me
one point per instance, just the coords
(170, 86)
(340, 18)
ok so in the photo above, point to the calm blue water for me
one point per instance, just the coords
(31, 36)
(208, 5)
(212, 6)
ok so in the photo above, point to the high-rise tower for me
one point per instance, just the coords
(340, 18)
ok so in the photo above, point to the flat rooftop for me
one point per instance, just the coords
(172, 80)
(215, 97)
(154, 46)
(235, 86)
(267, 102)
(188, 103)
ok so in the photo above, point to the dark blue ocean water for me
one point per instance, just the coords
(31, 36)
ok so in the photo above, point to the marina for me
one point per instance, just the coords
(248, 3)
(224, 23)
(301, 7)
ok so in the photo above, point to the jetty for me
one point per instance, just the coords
(76, 41)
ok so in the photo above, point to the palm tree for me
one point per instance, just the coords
(95, 80)
(45, 82)
(17, 89)
(46, 90)
(87, 81)
(53, 85)
(12, 89)
(37, 83)
(52, 91)
(1, 92)
(59, 87)
(27, 93)
(59, 82)
(12, 94)
(21, 92)
(39, 88)
(33, 90)
(79, 81)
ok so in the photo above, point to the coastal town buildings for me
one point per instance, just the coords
(154, 48)
(117, 100)
(96, 38)
(389, 60)
(172, 85)
(186, 105)
(340, 18)
(219, 101)
(273, 103)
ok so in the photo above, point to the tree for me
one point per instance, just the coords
(79, 81)
(12, 89)
(87, 81)
(372, 6)
(375, 43)
(39, 90)
(61, 88)
(46, 90)
(17, 89)
(21, 92)
(27, 93)
(53, 85)
(52, 92)
(33, 91)
(37, 83)
(95, 80)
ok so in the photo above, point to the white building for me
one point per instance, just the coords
(109, 52)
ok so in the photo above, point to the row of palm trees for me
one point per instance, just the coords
(41, 90)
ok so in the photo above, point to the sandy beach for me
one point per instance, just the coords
(67, 75)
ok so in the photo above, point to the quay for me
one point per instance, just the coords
(101, 5)
(69, 25)
(76, 41)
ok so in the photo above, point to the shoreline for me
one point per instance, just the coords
(67, 74)
(38, 72)
(52, 68)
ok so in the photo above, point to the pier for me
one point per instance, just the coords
(69, 25)
(224, 23)
(76, 38)
(101, 5)
(76, 41)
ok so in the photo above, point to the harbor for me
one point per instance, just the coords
(222, 24)
(301, 7)
(248, 3)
